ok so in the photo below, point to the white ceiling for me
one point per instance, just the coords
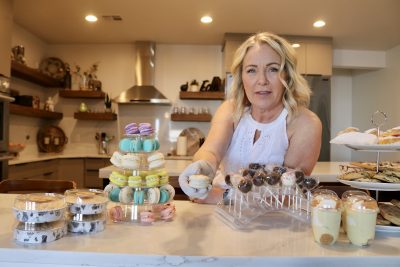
(353, 24)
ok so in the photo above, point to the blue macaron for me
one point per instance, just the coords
(164, 195)
(124, 145)
(138, 197)
(148, 145)
(156, 144)
(114, 194)
(136, 145)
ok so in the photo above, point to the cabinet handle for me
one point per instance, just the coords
(47, 173)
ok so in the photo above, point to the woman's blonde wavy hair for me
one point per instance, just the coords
(297, 92)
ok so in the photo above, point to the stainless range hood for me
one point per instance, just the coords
(144, 91)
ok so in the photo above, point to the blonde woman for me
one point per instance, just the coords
(265, 120)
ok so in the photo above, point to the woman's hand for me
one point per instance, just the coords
(197, 167)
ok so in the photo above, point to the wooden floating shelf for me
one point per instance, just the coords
(105, 116)
(191, 117)
(34, 112)
(202, 95)
(33, 75)
(81, 94)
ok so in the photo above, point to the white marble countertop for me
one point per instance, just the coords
(49, 156)
(196, 237)
(325, 171)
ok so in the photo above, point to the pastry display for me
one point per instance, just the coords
(39, 207)
(325, 217)
(40, 233)
(388, 172)
(140, 185)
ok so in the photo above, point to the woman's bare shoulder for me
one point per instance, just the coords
(304, 119)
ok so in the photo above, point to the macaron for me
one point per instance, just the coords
(109, 188)
(130, 161)
(138, 197)
(126, 195)
(153, 195)
(131, 128)
(164, 196)
(156, 144)
(147, 217)
(116, 213)
(114, 194)
(156, 161)
(125, 145)
(135, 181)
(148, 145)
(167, 212)
(199, 181)
(164, 180)
(145, 128)
(116, 159)
(170, 189)
(118, 179)
(136, 145)
(152, 180)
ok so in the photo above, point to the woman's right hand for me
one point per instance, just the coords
(198, 167)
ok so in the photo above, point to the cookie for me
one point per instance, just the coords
(390, 213)
(138, 197)
(126, 195)
(199, 181)
(170, 189)
(395, 202)
(153, 195)
(382, 221)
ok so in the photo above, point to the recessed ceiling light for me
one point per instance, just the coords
(91, 18)
(206, 19)
(295, 45)
(319, 24)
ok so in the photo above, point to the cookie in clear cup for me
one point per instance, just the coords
(326, 209)
(361, 216)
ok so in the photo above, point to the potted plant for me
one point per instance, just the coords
(107, 103)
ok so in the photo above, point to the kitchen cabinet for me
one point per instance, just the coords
(92, 166)
(47, 169)
(314, 56)
(72, 169)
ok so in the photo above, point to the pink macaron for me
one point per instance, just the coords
(116, 213)
(147, 217)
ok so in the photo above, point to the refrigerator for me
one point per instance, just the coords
(320, 104)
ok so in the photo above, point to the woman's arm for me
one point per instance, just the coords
(304, 133)
(219, 136)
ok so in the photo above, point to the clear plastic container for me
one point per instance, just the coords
(39, 233)
(84, 224)
(39, 207)
(361, 216)
(326, 208)
(348, 197)
(86, 201)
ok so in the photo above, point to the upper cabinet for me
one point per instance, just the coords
(314, 56)
(33, 75)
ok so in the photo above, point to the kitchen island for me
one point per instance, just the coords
(196, 237)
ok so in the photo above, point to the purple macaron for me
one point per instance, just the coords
(131, 128)
(145, 128)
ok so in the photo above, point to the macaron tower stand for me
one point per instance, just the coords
(259, 189)
(139, 188)
(40, 218)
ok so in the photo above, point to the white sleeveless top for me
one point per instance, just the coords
(270, 147)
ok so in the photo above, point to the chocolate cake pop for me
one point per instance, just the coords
(256, 166)
(279, 169)
(310, 183)
(245, 186)
(299, 176)
(273, 178)
(259, 178)
(228, 180)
